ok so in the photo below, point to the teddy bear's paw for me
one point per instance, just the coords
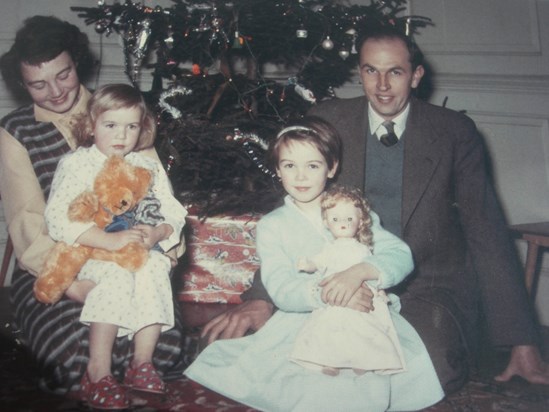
(47, 291)
(84, 207)
(133, 256)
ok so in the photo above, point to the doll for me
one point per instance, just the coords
(334, 337)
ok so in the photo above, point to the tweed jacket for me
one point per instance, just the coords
(451, 217)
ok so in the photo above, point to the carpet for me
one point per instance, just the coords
(19, 393)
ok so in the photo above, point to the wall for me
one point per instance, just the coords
(489, 58)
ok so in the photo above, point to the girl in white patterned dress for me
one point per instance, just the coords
(121, 303)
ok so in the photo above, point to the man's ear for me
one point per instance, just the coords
(417, 76)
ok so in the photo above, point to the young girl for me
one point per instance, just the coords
(256, 369)
(121, 303)
(330, 337)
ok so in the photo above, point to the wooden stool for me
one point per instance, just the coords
(536, 235)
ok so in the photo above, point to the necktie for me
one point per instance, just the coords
(389, 138)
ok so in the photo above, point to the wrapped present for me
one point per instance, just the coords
(221, 258)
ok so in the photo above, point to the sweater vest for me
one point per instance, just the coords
(383, 181)
(44, 143)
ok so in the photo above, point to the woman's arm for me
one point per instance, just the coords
(24, 204)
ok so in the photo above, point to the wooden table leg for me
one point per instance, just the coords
(531, 263)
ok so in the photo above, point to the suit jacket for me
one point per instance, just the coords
(451, 217)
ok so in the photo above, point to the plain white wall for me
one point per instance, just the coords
(490, 58)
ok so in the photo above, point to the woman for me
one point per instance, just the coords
(48, 60)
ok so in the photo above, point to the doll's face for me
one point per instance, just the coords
(343, 219)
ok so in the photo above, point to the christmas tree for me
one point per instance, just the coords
(218, 107)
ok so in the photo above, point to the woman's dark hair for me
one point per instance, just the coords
(42, 39)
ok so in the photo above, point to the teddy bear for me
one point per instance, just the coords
(118, 189)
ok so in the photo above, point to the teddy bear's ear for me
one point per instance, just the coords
(84, 207)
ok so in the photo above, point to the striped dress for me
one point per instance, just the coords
(53, 333)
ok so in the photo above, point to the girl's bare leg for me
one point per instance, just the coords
(102, 336)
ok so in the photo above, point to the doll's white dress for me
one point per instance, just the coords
(338, 337)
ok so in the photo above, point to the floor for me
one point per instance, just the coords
(19, 392)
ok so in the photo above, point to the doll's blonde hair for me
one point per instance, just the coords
(337, 193)
(113, 97)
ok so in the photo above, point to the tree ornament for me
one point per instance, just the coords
(169, 41)
(100, 26)
(170, 93)
(305, 93)
(343, 54)
(140, 49)
(301, 33)
(327, 43)
(238, 41)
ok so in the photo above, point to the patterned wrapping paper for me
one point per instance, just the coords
(221, 258)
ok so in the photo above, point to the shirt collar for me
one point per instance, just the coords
(375, 121)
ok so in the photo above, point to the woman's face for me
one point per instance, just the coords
(53, 85)
(304, 172)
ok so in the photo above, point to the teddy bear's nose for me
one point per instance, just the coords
(124, 203)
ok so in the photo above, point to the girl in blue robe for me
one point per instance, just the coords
(255, 370)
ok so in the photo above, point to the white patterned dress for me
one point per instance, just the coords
(123, 298)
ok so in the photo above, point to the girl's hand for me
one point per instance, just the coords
(339, 288)
(154, 234)
(362, 300)
(117, 240)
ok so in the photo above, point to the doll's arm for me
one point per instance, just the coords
(306, 265)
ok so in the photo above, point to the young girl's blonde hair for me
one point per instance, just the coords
(113, 97)
(337, 193)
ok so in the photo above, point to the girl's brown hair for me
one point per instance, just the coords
(310, 129)
(336, 194)
(113, 97)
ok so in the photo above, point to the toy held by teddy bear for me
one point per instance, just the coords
(119, 192)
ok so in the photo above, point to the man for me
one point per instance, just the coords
(425, 174)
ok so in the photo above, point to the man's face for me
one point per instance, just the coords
(53, 85)
(387, 75)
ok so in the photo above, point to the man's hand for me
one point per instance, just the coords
(362, 300)
(235, 322)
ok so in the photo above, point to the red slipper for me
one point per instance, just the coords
(144, 378)
(104, 394)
